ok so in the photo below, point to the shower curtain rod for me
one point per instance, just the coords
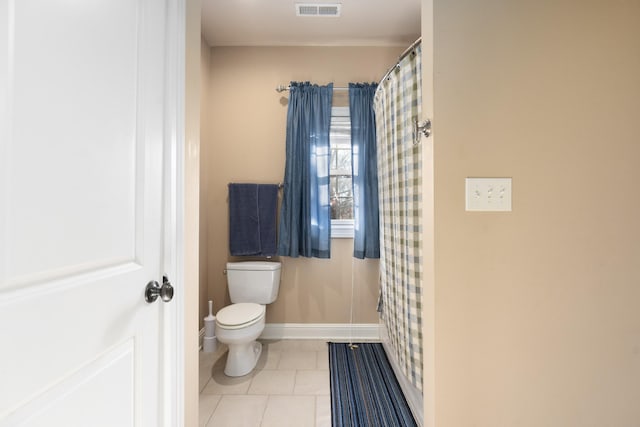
(282, 88)
(405, 53)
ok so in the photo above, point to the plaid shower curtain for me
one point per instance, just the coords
(397, 105)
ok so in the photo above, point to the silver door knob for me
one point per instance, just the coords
(154, 290)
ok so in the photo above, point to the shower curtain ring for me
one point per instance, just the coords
(424, 128)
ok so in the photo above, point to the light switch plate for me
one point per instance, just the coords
(488, 194)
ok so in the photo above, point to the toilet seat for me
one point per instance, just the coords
(240, 315)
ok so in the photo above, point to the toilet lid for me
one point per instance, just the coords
(240, 314)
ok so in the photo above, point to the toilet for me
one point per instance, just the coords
(252, 285)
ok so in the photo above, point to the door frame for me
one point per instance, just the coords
(179, 364)
(183, 103)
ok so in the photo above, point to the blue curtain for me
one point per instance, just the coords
(305, 217)
(366, 240)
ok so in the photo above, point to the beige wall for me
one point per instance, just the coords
(205, 64)
(245, 142)
(537, 319)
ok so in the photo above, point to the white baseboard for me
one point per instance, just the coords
(317, 331)
(323, 331)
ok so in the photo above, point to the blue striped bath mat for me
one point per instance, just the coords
(364, 389)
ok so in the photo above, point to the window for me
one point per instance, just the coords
(340, 174)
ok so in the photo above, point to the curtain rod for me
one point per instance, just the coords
(402, 56)
(283, 88)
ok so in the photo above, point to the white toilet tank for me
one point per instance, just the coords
(253, 281)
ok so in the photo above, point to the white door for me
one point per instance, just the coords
(83, 137)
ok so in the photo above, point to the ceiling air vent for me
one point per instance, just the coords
(331, 10)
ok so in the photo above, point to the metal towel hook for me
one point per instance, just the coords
(424, 128)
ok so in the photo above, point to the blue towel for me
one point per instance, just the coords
(252, 219)
(267, 214)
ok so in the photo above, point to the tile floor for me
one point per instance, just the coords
(289, 387)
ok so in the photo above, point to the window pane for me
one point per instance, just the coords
(340, 179)
(343, 186)
(342, 208)
(334, 187)
(344, 160)
(341, 197)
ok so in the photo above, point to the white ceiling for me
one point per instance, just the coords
(274, 23)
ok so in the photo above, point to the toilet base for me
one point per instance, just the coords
(242, 358)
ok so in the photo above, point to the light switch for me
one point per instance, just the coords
(488, 194)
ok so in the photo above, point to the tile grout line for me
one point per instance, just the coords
(264, 410)
(315, 354)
